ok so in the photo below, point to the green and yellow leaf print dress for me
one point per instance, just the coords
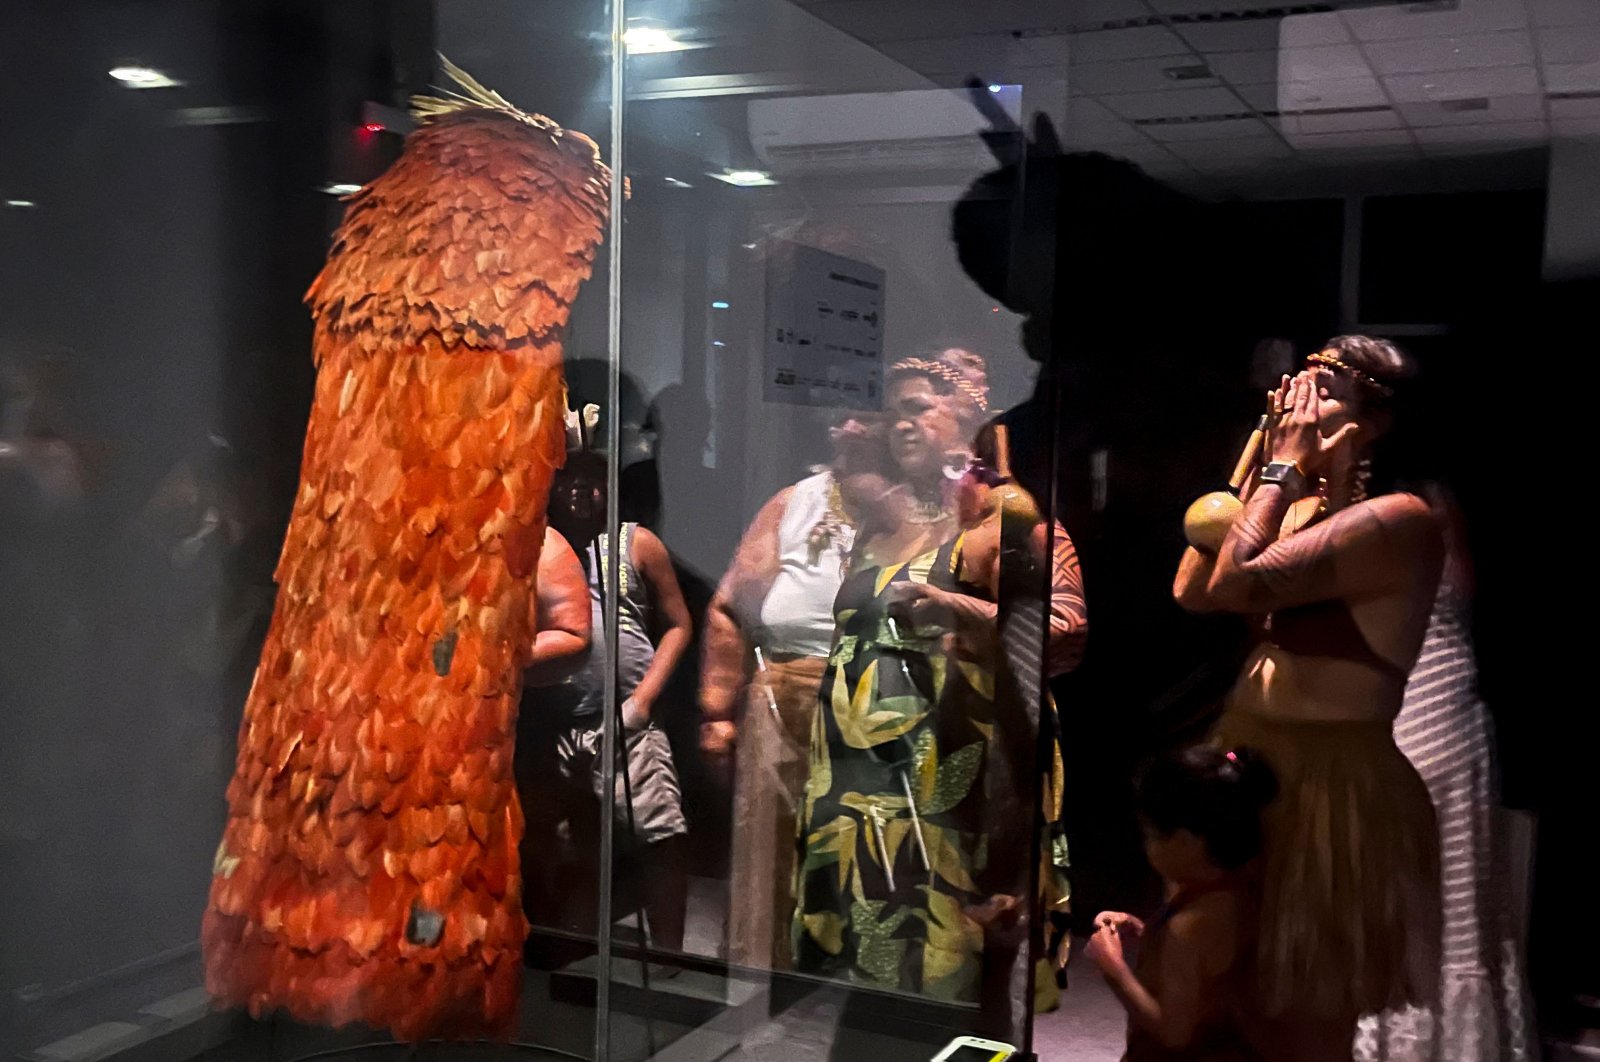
(892, 831)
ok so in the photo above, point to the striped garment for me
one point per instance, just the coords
(1444, 729)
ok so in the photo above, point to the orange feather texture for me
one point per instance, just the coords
(368, 870)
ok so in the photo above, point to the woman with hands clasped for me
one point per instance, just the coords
(1342, 585)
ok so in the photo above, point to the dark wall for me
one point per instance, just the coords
(160, 277)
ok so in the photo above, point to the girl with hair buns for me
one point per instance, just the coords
(1201, 814)
(906, 863)
(1343, 585)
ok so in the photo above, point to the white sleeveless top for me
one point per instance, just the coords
(797, 615)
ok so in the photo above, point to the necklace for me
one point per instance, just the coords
(925, 512)
(1359, 481)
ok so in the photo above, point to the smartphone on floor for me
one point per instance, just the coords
(973, 1049)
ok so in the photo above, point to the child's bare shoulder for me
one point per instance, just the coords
(1212, 916)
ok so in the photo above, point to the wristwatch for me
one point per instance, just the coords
(1285, 474)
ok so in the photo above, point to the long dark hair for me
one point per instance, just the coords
(1217, 795)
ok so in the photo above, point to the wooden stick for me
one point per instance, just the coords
(1250, 457)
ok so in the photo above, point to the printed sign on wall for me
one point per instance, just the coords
(824, 344)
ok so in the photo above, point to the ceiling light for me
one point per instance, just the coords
(340, 188)
(745, 178)
(646, 40)
(142, 77)
(21, 204)
(677, 183)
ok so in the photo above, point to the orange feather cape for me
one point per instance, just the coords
(368, 870)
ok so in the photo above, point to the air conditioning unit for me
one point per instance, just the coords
(917, 131)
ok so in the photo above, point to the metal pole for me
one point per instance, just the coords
(609, 737)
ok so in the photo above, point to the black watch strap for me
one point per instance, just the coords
(1285, 474)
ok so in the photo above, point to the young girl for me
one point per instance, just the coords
(1201, 811)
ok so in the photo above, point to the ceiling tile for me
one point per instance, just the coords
(877, 21)
(1391, 22)
(1197, 151)
(1463, 84)
(1571, 44)
(1133, 75)
(1246, 68)
(1085, 109)
(1308, 31)
(1576, 127)
(1136, 43)
(1202, 7)
(1331, 95)
(1255, 34)
(1504, 109)
(1175, 103)
(1304, 124)
(1564, 12)
(1512, 134)
(1572, 77)
(1100, 134)
(1388, 155)
(1230, 129)
(1144, 153)
(1053, 50)
(1326, 62)
(1259, 97)
(1368, 138)
(1584, 108)
(983, 54)
(1428, 54)
(1090, 12)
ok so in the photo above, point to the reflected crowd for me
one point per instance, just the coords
(896, 778)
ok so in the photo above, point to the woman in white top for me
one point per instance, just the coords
(768, 633)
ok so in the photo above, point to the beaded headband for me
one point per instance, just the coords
(1365, 379)
(978, 393)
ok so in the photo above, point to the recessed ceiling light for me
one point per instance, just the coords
(745, 178)
(21, 204)
(141, 77)
(340, 188)
(646, 40)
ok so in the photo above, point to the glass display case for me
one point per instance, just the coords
(788, 529)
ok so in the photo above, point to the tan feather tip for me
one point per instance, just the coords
(471, 94)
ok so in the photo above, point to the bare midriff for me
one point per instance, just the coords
(1283, 685)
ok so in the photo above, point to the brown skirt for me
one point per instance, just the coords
(1350, 916)
(769, 780)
